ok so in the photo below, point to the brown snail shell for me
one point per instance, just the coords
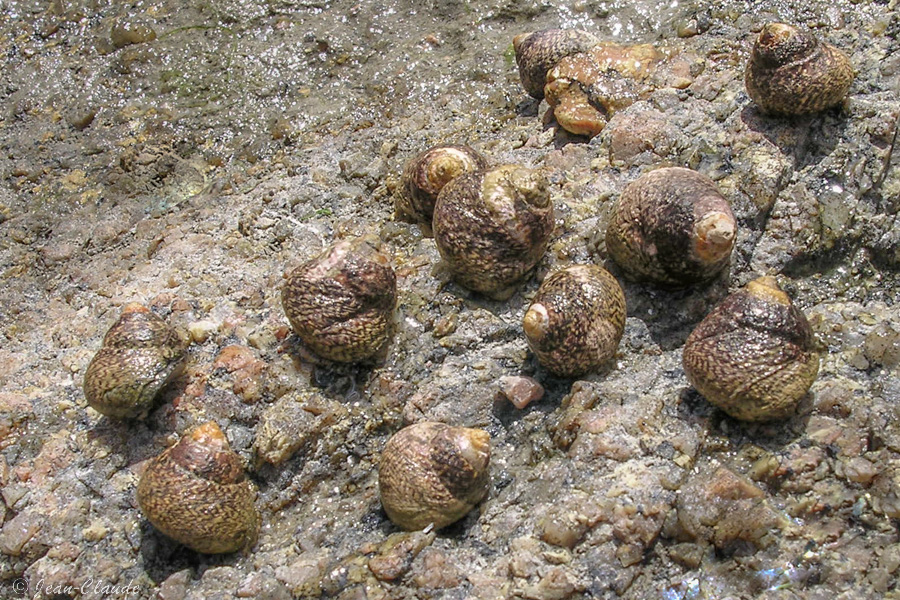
(790, 72)
(539, 51)
(672, 227)
(433, 474)
(576, 320)
(139, 356)
(426, 175)
(341, 303)
(492, 226)
(754, 355)
(196, 493)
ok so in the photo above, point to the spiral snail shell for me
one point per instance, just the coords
(341, 303)
(492, 226)
(790, 72)
(432, 473)
(754, 355)
(139, 356)
(672, 227)
(539, 51)
(426, 174)
(576, 320)
(195, 493)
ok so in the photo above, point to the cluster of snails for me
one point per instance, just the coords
(491, 225)
(196, 491)
(585, 81)
(754, 354)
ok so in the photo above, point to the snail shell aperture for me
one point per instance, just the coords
(576, 320)
(341, 304)
(492, 226)
(754, 354)
(196, 493)
(426, 175)
(431, 473)
(672, 227)
(539, 51)
(139, 356)
(790, 72)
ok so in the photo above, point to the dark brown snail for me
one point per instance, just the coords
(492, 226)
(341, 304)
(196, 493)
(790, 72)
(140, 355)
(433, 474)
(671, 227)
(539, 51)
(576, 320)
(754, 355)
(426, 175)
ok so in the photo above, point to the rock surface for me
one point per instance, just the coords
(187, 154)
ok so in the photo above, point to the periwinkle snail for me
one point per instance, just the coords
(754, 355)
(341, 303)
(426, 174)
(539, 51)
(139, 356)
(433, 474)
(576, 320)
(492, 226)
(196, 493)
(671, 227)
(790, 72)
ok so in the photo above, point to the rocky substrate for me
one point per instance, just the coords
(186, 155)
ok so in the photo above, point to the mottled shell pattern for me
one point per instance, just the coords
(433, 474)
(426, 174)
(139, 356)
(576, 320)
(754, 356)
(671, 227)
(196, 493)
(539, 51)
(492, 227)
(790, 72)
(341, 303)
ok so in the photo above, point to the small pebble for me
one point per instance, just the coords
(521, 390)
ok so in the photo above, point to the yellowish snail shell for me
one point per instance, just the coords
(492, 227)
(433, 474)
(671, 227)
(754, 355)
(539, 51)
(585, 90)
(790, 72)
(139, 356)
(576, 320)
(196, 493)
(341, 303)
(426, 174)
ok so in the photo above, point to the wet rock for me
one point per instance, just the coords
(23, 535)
(293, 422)
(301, 577)
(438, 571)
(641, 136)
(557, 584)
(248, 373)
(720, 507)
(125, 33)
(521, 391)
(394, 556)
